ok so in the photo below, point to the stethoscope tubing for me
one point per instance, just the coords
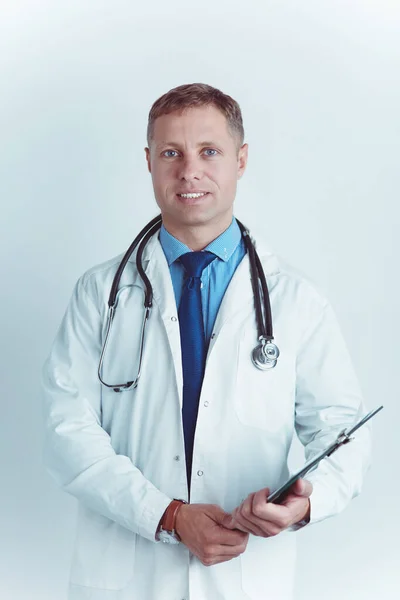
(264, 355)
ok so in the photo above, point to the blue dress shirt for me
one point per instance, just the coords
(229, 248)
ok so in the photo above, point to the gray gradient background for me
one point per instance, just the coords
(318, 84)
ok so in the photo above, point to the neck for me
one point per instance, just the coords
(198, 237)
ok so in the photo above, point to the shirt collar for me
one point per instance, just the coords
(223, 246)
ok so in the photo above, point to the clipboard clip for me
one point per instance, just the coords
(342, 438)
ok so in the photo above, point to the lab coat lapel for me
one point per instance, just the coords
(156, 268)
(239, 293)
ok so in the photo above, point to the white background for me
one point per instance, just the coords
(319, 88)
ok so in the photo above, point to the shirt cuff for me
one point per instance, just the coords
(153, 511)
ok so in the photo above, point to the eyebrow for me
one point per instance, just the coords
(206, 143)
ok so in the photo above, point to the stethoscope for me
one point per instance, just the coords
(264, 356)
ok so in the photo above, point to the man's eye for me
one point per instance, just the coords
(207, 150)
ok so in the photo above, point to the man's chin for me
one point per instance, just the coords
(197, 219)
(190, 216)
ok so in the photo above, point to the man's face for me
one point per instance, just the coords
(193, 151)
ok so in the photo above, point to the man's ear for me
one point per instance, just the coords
(242, 159)
(147, 151)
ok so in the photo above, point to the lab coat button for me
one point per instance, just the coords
(177, 457)
(199, 473)
(174, 319)
(206, 403)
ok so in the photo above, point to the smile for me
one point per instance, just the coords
(193, 195)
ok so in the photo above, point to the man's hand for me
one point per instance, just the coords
(256, 515)
(200, 529)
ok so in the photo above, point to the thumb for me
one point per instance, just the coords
(220, 516)
(303, 488)
(227, 521)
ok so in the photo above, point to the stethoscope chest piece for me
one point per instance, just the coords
(265, 355)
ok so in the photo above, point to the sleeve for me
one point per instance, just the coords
(77, 451)
(328, 399)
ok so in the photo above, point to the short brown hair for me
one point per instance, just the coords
(198, 94)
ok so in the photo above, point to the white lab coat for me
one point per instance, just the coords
(122, 454)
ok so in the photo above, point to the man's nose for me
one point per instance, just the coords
(190, 168)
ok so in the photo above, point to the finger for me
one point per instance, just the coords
(266, 526)
(287, 512)
(233, 524)
(245, 517)
(277, 514)
(298, 493)
(222, 558)
(230, 538)
(259, 517)
(221, 551)
(228, 522)
(268, 518)
(225, 550)
(241, 524)
(249, 526)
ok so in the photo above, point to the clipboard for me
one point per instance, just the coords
(343, 438)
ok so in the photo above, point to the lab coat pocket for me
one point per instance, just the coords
(264, 399)
(268, 567)
(104, 552)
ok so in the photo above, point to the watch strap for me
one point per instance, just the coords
(168, 519)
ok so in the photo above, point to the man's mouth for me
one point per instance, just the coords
(193, 195)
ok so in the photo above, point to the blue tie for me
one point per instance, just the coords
(193, 345)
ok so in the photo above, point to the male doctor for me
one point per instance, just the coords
(172, 476)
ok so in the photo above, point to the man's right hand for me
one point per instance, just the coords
(200, 529)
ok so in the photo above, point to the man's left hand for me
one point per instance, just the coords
(257, 516)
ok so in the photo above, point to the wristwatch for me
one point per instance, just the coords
(166, 530)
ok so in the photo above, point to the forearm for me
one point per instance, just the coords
(329, 399)
(79, 456)
(78, 452)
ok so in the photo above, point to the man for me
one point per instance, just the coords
(191, 454)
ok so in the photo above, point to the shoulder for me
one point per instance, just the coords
(96, 281)
(101, 270)
(292, 280)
